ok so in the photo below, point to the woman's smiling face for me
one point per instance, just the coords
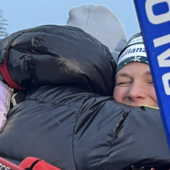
(134, 85)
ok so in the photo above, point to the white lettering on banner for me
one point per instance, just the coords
(162, 59)
(3, 167)
(159, 19)
(156, 19)
(166, 78)
(162, 40)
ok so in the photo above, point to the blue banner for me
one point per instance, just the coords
(154, 20)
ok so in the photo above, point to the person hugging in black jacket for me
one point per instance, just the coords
(69, 117)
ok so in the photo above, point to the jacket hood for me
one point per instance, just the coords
(57, 55)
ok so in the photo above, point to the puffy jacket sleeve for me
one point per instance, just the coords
(55, 55)
(109, 135)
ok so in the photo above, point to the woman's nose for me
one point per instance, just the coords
(136, 92)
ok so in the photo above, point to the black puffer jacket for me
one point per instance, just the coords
(67, 118)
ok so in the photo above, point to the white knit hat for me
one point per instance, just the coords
(101, 23)
(133, 52)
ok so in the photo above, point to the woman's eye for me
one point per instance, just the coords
(123, 83)
(150, 82)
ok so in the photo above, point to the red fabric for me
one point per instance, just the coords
(42, 165)
(7, 77)
(36, 164)
(27, 162)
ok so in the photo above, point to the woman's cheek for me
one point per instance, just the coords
(118, 94)
(153, 94)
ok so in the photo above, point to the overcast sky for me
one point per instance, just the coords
(23, 14)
